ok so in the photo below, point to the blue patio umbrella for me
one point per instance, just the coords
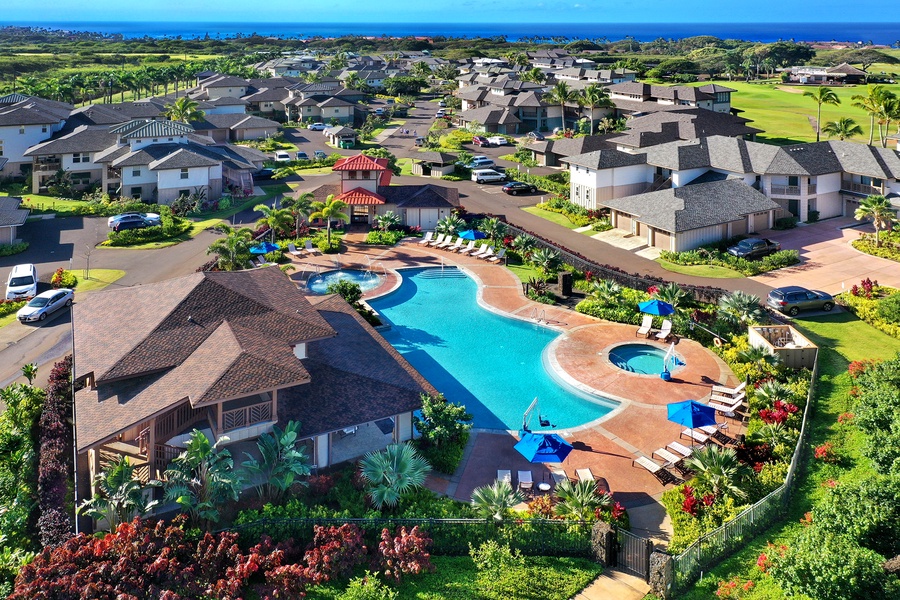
(691, 413)
(656, 307)
(472, 234)
(543, 448)
(264, 248)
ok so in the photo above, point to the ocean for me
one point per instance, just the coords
(878, 33)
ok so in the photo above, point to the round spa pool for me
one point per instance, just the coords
(367, 280)
(643, 359)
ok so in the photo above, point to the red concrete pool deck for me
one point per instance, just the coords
(638, 426)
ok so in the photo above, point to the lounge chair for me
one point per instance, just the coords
(695, 435)
(482, 251)
(260, 262)
(497, 257)
(488, 254)
(680, 449)
(727, 391)
(673, 460)
(718, 436)
(310, 248)
(646, 326)
(455, 246)
(662, 475)
(727, 409)
(584, 475)
(448, 241)
(727, 399)
(292, 249)
(665, 331)
(559, 475)
(427, 238)
(525, 480)
(467, 248)
(504, 475)
(439, 240)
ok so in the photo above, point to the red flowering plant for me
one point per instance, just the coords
(780, 412)
(334, 552)
(864, 289)
(826, 453)
(405, 553)
(807, 519)
(653, 290)
(734, 588)
(508, 241)
(614, 514)
(858, 367)
(588, 276)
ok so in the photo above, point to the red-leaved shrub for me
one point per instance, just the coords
(405, 553)
(334, 552)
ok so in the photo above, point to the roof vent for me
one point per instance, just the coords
(191, 319)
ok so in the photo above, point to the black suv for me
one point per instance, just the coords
(130, 224)
(792, 299)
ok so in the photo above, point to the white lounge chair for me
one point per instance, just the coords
(310, 248)
(695, 435)
(727, 399)
(292, 249)
(472, 251)
(427, 238)
(525, 480)
(455, 246)
(467, 248)
(680, 448)
(447, 241)
(584, 475)
(716, 434)
(673, 460)
(727, 409)
(438, 240)
(260, 262)
(727, 391)
(661, 475)
(504, 475)
(646, 326)
(482, 251)
(488, 254)
(665, 332)
(497, 257)
(559, 475)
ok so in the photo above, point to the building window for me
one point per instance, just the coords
(184, 193)
(43, 129)
(21, 129)
(184, 174)
(81, 157)
(81, 178)
(793, 181)
(136, 193)
(171, 139)
(366, 175)
(337, 110)
(136, 172)
(155, 139)
(352, 174)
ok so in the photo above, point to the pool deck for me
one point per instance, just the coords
(608, 447)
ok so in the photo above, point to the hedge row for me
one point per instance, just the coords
(172, 226)
(55, 460)
(545, 183)
(708, 255)
(10, 249)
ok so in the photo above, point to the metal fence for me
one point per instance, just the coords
(534, 537)
(718, 544)
(633, 553)
(639, 282)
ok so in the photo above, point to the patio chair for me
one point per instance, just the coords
(727, 391)
(559, 475)
(673, 460)
(482, 251)
(427, 238)
(661, 474)
(727, 399)
(348, 431)
(310, 248)
(497, 257)
(455, 246)
(716, 434)
(646, 327)
(260, 262)
(504, 475)
(584, 475)
(695, 435)
(292, 250)
(525, 480)
(438, 240)
(472, 252)
(447, 242)
(680, 448)
(488, 254)
(467, 248)
(726, 409)
(665, 331)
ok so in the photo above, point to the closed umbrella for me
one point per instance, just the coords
(542, 448)
(472, 234)
(264, 248)
(656, 307)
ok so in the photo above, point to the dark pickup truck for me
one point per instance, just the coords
(752, 248)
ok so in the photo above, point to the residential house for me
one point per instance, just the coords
(433, 164)
(581, 75)
(231, 354)
(235, 127)
(11, 218)
(842, 74)
(549, 153)
(633, 97)
(24, 122)
(654, 128)
(72, 152)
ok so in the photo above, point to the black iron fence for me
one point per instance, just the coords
(534, 537)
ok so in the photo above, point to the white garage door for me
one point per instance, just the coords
(426, 218)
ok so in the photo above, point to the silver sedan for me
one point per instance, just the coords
(45, 304)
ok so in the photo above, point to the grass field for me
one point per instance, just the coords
(97, 280)
(700, 270)
(550, 216)
(783, 112)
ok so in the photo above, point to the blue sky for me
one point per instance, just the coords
(462, 11)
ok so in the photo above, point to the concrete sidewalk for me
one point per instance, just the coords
(615, 585)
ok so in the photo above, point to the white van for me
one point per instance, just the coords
(487, 176)
(22, 282)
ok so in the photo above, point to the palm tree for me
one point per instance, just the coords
(773, 434)
(545, 259)
(392, 472)
(560, 94)
(494, 228)
(822, 95)
(671, 294)
(278, 220)
(770, 391)
(879, 209)
(534, 75)
(328, 210)
(843, 128)
(579, 500)
(234, 249)
(495, 500)
(387, 220)
(184, 110)
(282, 460)
(29, 372)
(606, 290)
(301, 206)
(872, 103)
(595, 96)
(119, 496)
(740, 307)
(202, 478)
(449, 225)
(719, 470)
(760, 355)
(524, 245)
(353, 81)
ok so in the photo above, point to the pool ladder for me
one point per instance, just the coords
(540, 317)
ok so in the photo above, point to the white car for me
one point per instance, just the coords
(498, 140)
(316, 126)
(282, 156)
(44, 304)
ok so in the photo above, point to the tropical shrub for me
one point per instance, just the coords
(334, 553)
(368, 587)
(63, 279)
(868, 510)
(876, 305)
(713, 254)
(391, 472)
(444, 431)
(384, 238)
(876, 414)
(495, 500)
(282, 460)
(10, 249)
(55, 460)
(171, 226)
(405, 553)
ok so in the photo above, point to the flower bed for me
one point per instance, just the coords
(879, 306)
(714, 254)
(889, 248)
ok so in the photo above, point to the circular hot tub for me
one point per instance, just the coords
(643, 359)
(367, 280)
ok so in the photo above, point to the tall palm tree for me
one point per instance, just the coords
(872, 102)
(494, 228)
(740, 307)
(822, 95)
(843, 128)
(595, 96)
(560, 94)
(579, 500)
(278, 220)
(495, 500)
(718, 470)
(184, 110)
(879, 209)
(301, 206)
(353, 81)
(330, 210)
(534, 75)
(234, 249)
(392, 472)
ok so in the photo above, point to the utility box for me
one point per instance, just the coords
(565, 283)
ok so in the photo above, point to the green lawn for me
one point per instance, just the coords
(783, 112)
(99, 279)
(551, 216)
(841, 338)
(522, 270)
(700, 270)
(405, 165)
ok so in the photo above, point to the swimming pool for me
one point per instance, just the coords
(642, 359)
(367, 280)
(490, 363)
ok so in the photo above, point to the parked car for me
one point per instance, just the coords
(153, 218)
(487, 176)
(480, 140)
(517, 187)
(792, 299)
(498, 140)
(442, 104)
(536, 136)
(420, 141)
(316, 126)
(282, 156)
(44, 304)
(752, 248)
(440, 113)
(302, 156)
(264, 174)
(480, 163)
(320, 155)
(131, 224)
(22, 282)
(379, 111)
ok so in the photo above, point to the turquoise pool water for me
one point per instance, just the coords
(490, 363)
(642, 359)
(367, 280)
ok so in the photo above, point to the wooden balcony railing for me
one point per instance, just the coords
(246, 416)
(784, 190)
(861, 188)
